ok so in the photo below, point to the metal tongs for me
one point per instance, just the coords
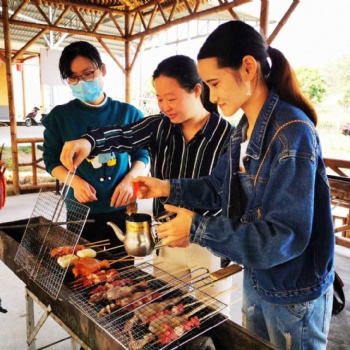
(64, 192)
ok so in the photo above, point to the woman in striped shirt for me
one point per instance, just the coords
(185, 140)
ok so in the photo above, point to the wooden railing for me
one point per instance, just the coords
(35, 164)
(339, 181)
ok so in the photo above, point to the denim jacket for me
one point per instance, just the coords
(284, 236)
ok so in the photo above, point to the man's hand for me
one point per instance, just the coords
(77, 149)
(175, 233)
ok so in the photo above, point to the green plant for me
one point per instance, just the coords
(312, 84)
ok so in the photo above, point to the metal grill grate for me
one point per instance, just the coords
(126, 318)
(141, 275)
(49, 228)
(143, 329)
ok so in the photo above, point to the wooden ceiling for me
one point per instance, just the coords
(118, 26)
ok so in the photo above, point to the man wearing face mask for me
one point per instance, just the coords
(103, 184)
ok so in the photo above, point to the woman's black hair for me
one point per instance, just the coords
(233, 40)
(184, 70)
(79, 48)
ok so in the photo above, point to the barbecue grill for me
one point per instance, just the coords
(128, 326)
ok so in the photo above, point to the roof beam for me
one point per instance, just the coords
(197, 15)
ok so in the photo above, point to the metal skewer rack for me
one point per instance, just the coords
(55, 221)
(167, 289)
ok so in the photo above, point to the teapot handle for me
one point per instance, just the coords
(159, 245)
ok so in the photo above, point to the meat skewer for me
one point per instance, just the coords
(70, 259)
(169, 331)
(87, 266)
(116, 292)
(107, 276)
(132, 301)
(140, 343)
(106, 286)
(166, 328)
(144, 313)
(155, 310)
(71, 249)
(110, 284)
(177, 310)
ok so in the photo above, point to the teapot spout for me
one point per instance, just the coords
(121, 235)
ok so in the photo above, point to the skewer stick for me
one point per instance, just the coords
(165, 274)
(213, 298)
(97, 242)
(208, 315)
(98, 245)
(234, 302)
(205, 304)
(129, 257)
(107, 250)
(129, 267)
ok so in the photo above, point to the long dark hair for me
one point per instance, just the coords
(79, 48)
(184, 70)
(233, 40)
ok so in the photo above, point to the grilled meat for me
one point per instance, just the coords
(87, 266)
(143, 314)
(65, 250)
(140, 343)
(136, 297)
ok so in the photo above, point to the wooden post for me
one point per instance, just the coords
(11, 100)
(127, 57)
(24, 92)
(264, 18)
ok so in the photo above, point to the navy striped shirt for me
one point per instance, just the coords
(171, 155)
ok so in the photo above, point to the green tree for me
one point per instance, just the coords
(312, 84)
(346, 99)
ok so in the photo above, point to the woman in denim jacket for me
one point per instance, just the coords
(272, 187)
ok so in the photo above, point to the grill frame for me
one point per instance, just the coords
(227, 335)
(33, 254)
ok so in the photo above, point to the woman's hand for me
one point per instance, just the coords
(122, 194)
(175, 233)
(77, 149)
(151, 187)
(83, 191)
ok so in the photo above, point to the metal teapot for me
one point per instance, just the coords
(140, 238)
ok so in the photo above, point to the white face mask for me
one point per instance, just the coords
(87, 91)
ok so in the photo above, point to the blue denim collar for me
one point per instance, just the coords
(255, 145)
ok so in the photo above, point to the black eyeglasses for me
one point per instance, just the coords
(87, 76)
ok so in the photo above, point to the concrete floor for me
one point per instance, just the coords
(13, 323)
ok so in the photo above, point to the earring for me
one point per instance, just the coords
(249, 93)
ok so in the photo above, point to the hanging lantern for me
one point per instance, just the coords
(19, 67)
